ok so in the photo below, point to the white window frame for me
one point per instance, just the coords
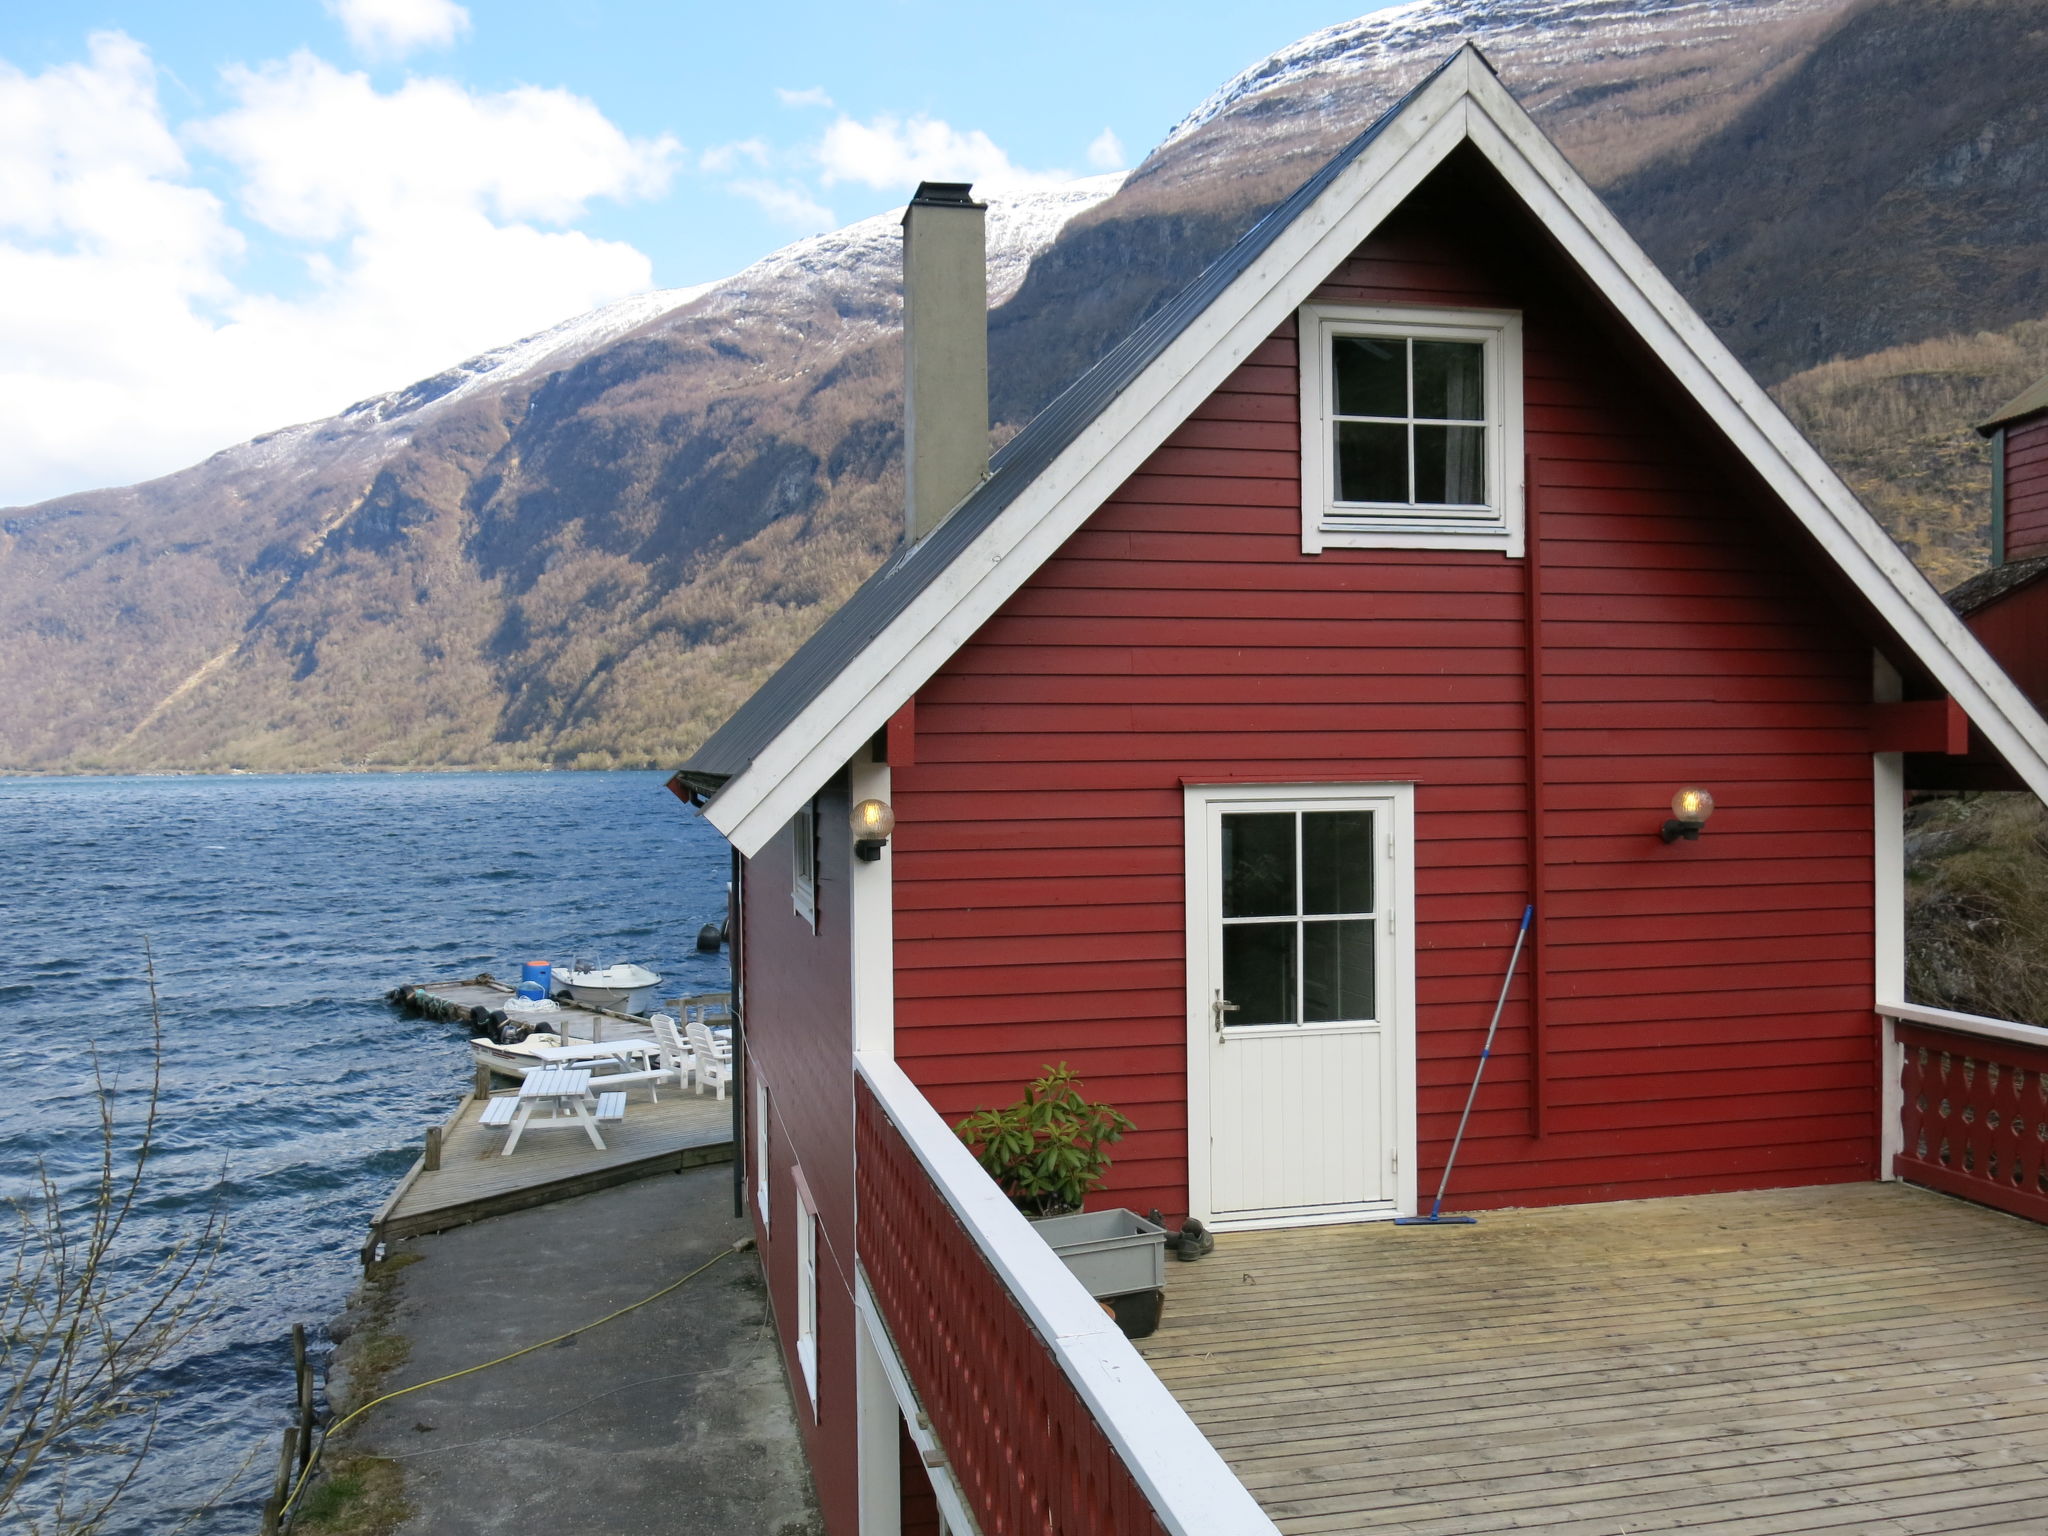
(1327, 523)
(807, 1288)
(803, 875)
(761, 1202)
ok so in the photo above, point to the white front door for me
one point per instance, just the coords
(1300, 1006)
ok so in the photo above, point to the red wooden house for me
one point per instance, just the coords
(1390, 579)
(2007, 606)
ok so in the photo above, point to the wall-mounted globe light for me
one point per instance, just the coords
(872, 822)
(1690, 809)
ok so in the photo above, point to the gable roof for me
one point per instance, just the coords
(2028, 402)
(868, 659)
(1987, 587)
(913, 568)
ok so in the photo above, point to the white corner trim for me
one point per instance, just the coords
(1187, 1483)
(871, 939)
(916, 1423)
(1500, 332)
(1465, 103)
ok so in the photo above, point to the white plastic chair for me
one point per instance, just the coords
(713, 1057)
(676, 1055)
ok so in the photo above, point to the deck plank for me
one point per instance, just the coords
(1850, 1358)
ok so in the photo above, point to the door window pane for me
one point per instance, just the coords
(1371, 376)
(1372, 461)
(1450, 466)
(1450, 380)
(1337, 971)
(1258, 865)
(1336, 861)
(1259, 974)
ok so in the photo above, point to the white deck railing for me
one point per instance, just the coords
(1966, 1023)
(1188, 1484)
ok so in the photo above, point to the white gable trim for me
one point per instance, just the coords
(1464, 103)
(757, 802)
(1881, 571)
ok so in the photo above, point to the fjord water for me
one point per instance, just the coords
(280, 910)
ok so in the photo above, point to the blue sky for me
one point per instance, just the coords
(218, 218)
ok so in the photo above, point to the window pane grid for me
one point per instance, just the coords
(1314, 979)
(1442, 451)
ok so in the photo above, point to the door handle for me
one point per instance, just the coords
(1220, 1007)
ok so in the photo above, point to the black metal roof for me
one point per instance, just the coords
(886, 594)
(1987, 587)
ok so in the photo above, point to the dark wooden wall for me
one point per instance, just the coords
(1708, 1023)
(799, 1040)
(2026, 489)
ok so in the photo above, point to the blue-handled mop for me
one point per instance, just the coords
(1436, 1217)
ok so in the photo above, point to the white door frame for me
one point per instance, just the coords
(1198, 798)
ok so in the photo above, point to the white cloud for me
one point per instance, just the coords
(430, 220)
(897, 153)
(724, 159)
(1106, 152)
(789, 204)
(812, 96)
(391, 29)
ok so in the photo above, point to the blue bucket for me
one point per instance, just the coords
(532, 991)
(538, 972)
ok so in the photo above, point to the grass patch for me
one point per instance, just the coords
(356, 1496)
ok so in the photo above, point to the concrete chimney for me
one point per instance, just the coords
(945, 351)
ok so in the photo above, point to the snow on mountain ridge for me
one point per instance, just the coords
(1545, 30)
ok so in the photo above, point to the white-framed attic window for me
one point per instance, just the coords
(803, 883)
(1411, 428)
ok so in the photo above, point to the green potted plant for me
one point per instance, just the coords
(1046, 1153)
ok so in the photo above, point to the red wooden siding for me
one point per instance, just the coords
(2026, 488)
(1708, 1021)
(1974, 1110)
(798, 1029)
(1029, 1458)
(2014, 629)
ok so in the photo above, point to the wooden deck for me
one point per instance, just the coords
(474, 1181)
(1863, 1358)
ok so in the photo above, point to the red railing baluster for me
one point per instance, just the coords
(1974, 1117)
(1027, 1453)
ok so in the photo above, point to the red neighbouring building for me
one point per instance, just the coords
(1390, 579)
(2007, 607)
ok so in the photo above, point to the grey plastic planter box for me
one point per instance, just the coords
(1111, 1252)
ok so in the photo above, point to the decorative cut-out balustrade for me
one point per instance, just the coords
(1975, 1116)
(1050, 1422)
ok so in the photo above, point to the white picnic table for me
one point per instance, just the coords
(566, 1091)
(624, 1052)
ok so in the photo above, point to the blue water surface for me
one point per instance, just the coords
(280, 910)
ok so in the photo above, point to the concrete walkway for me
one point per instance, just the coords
(675, 1419)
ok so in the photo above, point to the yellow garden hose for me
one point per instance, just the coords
(313, 1461)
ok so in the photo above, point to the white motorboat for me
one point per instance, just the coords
(514, 1060)
(612, 986)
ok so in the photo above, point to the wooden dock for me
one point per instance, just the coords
(1863, 1359)
(573, 1021)
(474, 1181)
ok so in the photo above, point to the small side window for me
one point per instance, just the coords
(807, 1291)
(761, 1153)
(804, 871)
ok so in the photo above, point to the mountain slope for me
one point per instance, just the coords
(584, 549)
